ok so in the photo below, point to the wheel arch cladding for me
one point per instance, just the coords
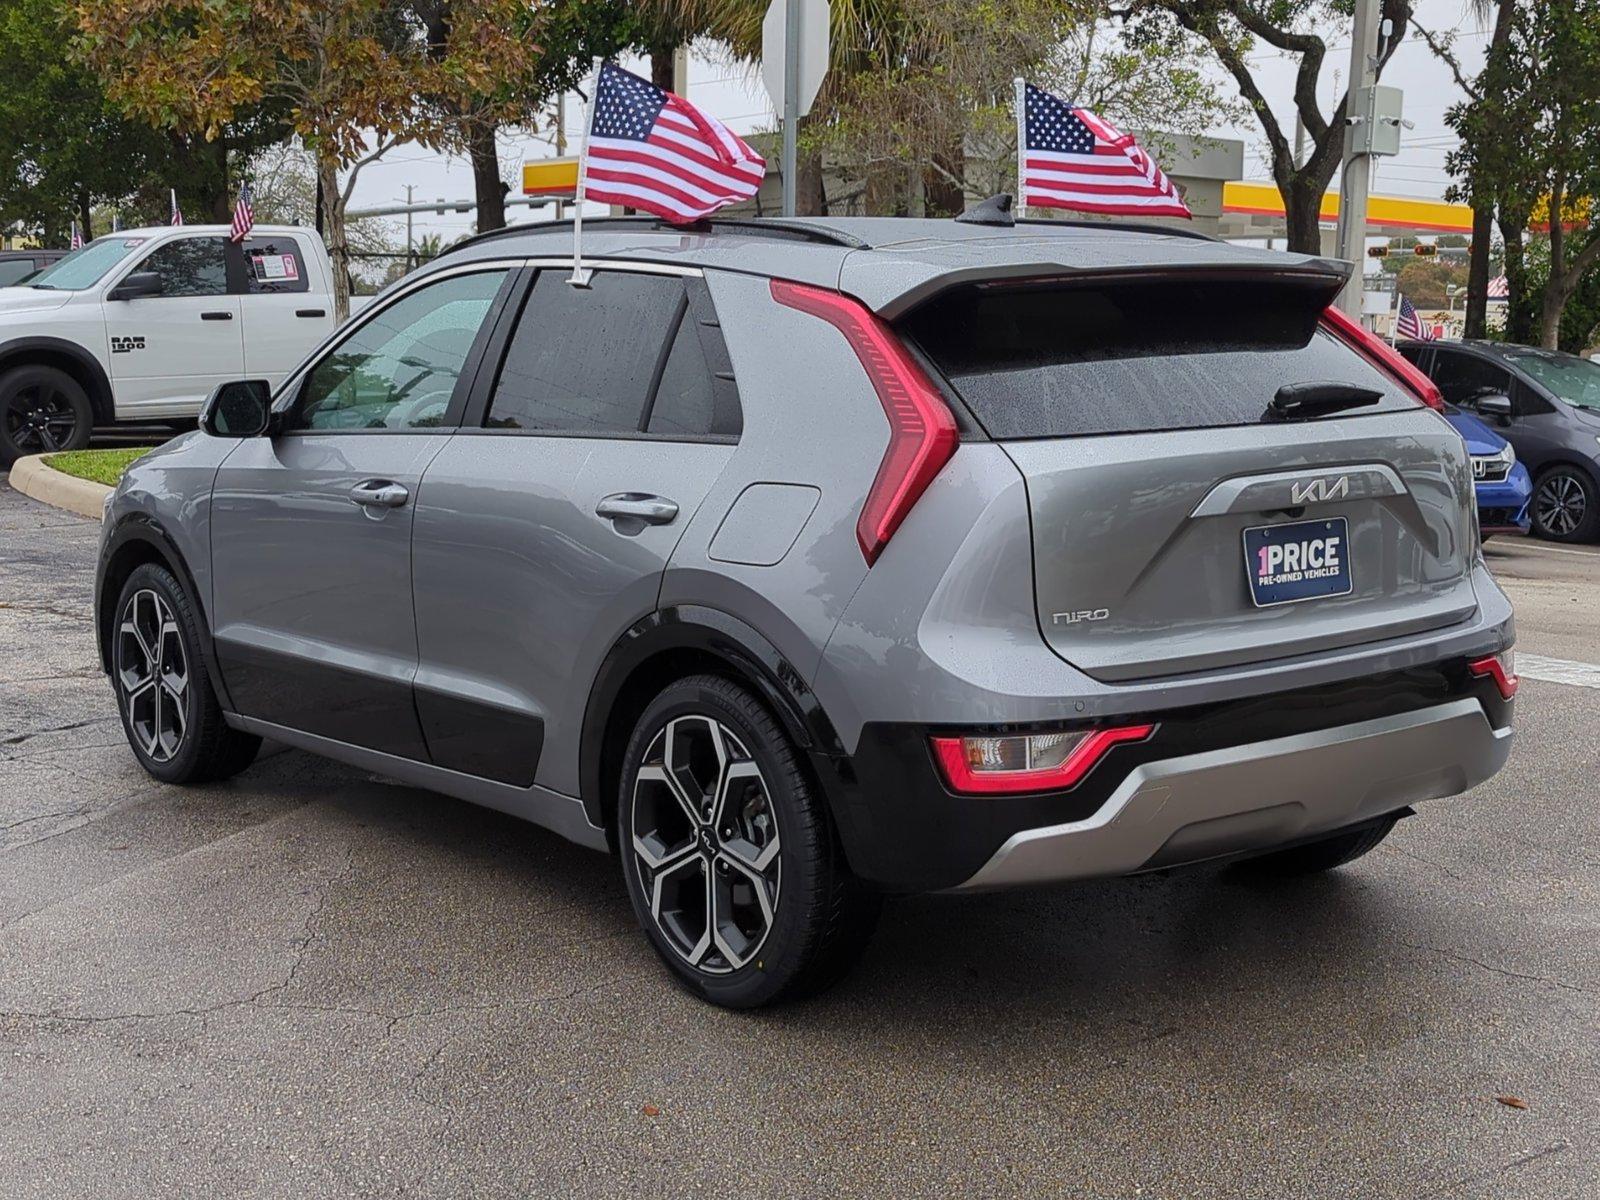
(672, 644)
(134, 542)
(69, 358)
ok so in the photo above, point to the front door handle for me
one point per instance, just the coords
(216, 316)
(379, 493)
(637, 506)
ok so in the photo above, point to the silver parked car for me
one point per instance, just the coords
(797, 563)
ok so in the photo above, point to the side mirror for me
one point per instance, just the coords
(1495, 405)
(140, 283)
(237, 409)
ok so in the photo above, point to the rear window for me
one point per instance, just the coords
(1057, 360)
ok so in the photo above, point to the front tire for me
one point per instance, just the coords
(731, 861)
(1565, 506)
(42, 410)
(1312, 858)
(170, 713)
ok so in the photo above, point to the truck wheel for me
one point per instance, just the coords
(1314, 857)
(42, 410)
(1565, 508)
(729, 855)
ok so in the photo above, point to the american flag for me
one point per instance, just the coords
(651, 150)
(177, 213)
(1409, 324)
(1070, 158)
(76, 243)
(244, 217)
(1499, 289)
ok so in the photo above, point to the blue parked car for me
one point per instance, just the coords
(1503, 485)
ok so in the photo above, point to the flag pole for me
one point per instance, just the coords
(1019, 89)
(580, 277)
(1394, 314)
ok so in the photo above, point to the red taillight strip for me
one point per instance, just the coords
(922, 433)
(1494, 669)
(1384, 356)
(1083, 758)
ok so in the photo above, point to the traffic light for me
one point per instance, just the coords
(1377, 252)
(1424, 249)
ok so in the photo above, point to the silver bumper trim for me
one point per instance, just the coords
(1259, 795)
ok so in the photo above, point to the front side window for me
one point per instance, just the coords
(399, 369)
(14, 270)
(1463, 378)
(87, 265)
(190, 267)
(585, 360)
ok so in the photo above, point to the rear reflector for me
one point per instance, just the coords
(1502, 668)
(1039, 762)
(1384, 356)
(922, 433)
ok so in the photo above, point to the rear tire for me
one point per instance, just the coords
(170, 713)
(42, 411)
(1315, 857)
(1565, 505)
(729, 855)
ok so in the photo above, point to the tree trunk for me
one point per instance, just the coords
(1519, 313)
(1302, 204)
(83, 216)
(490, 192)
(1477, 310)
(810, 191)
(331, 214)
(661, 64)
(943, 195)
(1553, 303)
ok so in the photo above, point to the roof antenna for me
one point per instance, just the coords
(996, 210)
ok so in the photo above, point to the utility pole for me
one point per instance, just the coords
(791, 100)
(561, 141)
(1356, 172)
(410, 266)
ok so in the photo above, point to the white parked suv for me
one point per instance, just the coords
(140, 325)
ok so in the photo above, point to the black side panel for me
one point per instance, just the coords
(322, 698)
(480, 739)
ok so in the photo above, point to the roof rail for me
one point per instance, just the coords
(1123, 227)
(769, 226)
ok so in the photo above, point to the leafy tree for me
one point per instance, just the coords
(1232, 31)
(340, 67)
(1529, 138)
(67, 150)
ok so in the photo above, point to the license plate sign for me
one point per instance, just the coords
(1305, 560)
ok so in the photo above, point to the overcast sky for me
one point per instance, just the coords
(737, 97)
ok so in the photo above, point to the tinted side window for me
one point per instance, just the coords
(190, 267)
(1463, 378)
(1412, 354)
(584, 360)
(399, 369)
(274, 264)
(15, 269)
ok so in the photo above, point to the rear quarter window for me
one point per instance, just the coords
(274, 264)
(1065, 360)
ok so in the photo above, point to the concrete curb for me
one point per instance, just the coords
(82, 496)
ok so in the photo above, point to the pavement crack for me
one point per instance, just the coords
(17, 739)
(1504, 972)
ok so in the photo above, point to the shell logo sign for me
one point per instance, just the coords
(557, 177)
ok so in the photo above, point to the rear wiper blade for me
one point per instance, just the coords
(1303, 401)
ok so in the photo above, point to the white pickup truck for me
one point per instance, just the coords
(140, 325)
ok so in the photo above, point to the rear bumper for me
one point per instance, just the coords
(1259, 795)
(1213, 779)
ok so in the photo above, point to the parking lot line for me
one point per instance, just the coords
(1558, 670)
(1531, 544)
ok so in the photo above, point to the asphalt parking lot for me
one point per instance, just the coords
(312, 982)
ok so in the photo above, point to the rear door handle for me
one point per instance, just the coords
(379, 493)
(216, 316)
(310, 312)
(637, 506)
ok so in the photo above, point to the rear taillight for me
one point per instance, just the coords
(1502, 668)
(922, 433)
(1035, 762)
(1384, 356)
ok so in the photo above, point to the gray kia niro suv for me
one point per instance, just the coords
(798, 563)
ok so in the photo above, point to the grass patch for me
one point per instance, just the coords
(101, 466)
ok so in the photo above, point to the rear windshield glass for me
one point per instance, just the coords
(1134, 357)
